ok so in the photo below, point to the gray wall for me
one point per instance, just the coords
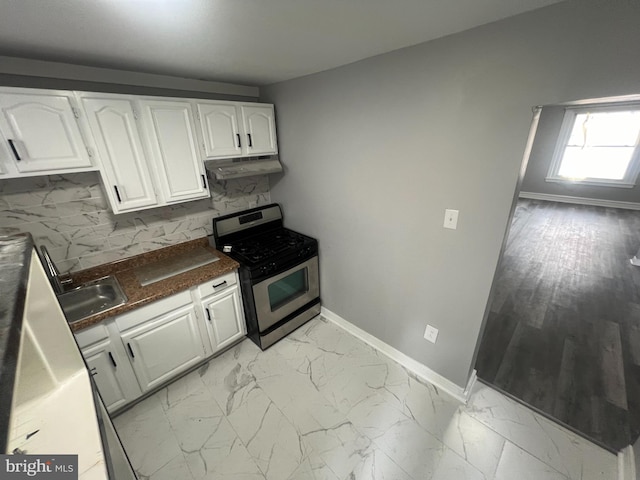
(540, 161)
(375, 151)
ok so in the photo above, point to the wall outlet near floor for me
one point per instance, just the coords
(431, 334)
(451, 219)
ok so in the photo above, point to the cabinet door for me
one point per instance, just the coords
(7, 165)
(169, 126)
(112, 375)
(42, 132)
(164, 346)
(220, 132)
(260, 129)
(225, 319)
(126, 172)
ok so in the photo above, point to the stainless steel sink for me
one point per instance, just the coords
(90, 298)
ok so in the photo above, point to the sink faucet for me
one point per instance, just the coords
(52, 272)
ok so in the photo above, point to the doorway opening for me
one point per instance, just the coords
(562, 332)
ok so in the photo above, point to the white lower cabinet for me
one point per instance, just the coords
(225, 319)
(140, 350)
(164, 346)
(109, 365)
(103, 366)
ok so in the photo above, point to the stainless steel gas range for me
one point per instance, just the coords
(278, 271)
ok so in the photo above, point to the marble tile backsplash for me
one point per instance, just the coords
(70, 215)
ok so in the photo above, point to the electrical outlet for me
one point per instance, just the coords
(431, 334)
(451, 219)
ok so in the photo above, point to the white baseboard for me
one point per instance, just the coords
(626, 464)
(580, 200)
(420, 370)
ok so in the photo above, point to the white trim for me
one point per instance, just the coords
(595, 183)
(420, 370)
(626, 464)
(68, 71)
(580, 200)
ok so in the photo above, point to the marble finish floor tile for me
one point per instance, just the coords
(323, 405)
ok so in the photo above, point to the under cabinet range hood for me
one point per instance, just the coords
(244, 167)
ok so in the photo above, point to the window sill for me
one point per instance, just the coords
(592, 182)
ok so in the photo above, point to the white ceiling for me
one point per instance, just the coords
(251, 42)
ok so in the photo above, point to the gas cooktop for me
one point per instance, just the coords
(257, 239)
(267, 246)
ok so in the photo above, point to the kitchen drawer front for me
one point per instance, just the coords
(217, 284)
(91, 335)
(140, 315)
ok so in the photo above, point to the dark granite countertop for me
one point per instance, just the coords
(15, 260)
(139, 295)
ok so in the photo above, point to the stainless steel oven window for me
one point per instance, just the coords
(288, 288)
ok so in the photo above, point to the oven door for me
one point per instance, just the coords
(284, 293)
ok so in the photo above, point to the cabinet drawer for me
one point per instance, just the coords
(159, 307)
(217, 284)
(89, 336)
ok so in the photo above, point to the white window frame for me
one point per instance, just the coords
(633, 169)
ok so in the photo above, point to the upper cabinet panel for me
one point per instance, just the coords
(169, 127)
(233, 129)
(219, 122)
(42, 132)
(260, 129)
(125, 168)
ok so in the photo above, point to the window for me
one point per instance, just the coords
(598, 146)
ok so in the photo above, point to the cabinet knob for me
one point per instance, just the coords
(115, 187)
(208, 314)
(250, 141)
(238, 137)
(130, 350)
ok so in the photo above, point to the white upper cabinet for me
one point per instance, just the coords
(232, 129)
(125, 167)
(169, 128)
(221, 136)
(260, 128)
(41, 133)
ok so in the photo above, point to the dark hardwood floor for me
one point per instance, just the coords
(563, 333)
